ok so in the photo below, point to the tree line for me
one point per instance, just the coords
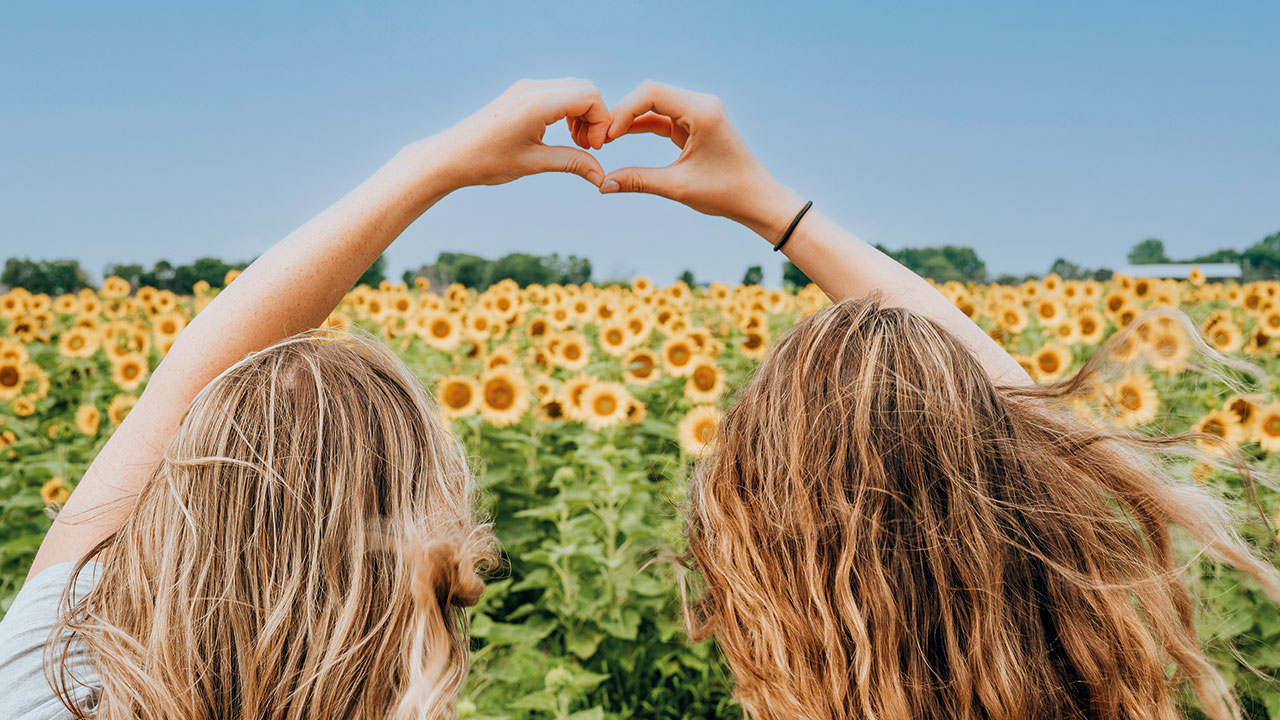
(1259, 261)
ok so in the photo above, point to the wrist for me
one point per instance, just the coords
(429, 165)
(770, 210)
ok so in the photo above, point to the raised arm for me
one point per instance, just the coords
(298, 282)
(717, 174)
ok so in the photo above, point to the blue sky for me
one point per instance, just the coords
(133, 131)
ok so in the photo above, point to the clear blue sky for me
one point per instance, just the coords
(1029, 130)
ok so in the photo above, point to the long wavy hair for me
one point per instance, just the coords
(302, 551)
(884, 533)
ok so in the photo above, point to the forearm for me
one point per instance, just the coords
(846, 267)
(290, 288)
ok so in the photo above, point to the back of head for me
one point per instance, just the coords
(300, 552)
(884, 533)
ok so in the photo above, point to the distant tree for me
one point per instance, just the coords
(1068, 270)
(753, 276)
(209, 269)
(54, 277)
(792, 275)
(375, 274)
(523, 268)
(132, 272)
(941, 264)
(687, 278)
(572, 270)
(1148, 252)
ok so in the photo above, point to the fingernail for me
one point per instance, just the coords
(610, 186)
(594, 178)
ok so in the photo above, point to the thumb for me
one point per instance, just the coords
(654, 181)
(558, 158)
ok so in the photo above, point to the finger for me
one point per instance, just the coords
(668, 100)
(581, 136)
(659, 125)
(559, 158)
(578, 101)
(575, 130)
(662, 181)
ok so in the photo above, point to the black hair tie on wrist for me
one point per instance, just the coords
(792, 227)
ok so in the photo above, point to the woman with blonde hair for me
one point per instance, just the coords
(281, 527)
(895, 523)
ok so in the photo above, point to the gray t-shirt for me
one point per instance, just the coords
(25, 693)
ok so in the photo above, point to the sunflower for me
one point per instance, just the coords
(615, 339)
(129, 371)
(1245, 409)
(678, 354)
(1268, 427)
(499, 357)
(1065, 333)
(698, 429)
(571, 392)
(572, 352)
(87, 419)
(1225, 337)
(1050, 312)
(12, 379)
(605, 404)
(705, 383)
(441, 331)
(168, 325)
(54, 490)
(114, 287)
(1090, 326)
(1168, 349)
(636, 412)
(119, 408)
(640, 367)
(23, 406)
(1134, 400)
(755, 343)
(458, 395)
(1050, 362)
(550, 410)
(1219, 424)
(504, 396)
(1013, 318)
(78, 343)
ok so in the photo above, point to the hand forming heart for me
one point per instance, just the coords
(716, 173)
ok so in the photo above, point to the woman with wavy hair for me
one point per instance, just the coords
(895, 523)
(281, 528)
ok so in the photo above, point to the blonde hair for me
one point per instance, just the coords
(302, 551)
(883, 533)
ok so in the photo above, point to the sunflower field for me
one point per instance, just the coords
(583, 409)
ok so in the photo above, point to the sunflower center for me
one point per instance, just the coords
(9, 376)
(130, 371)
(646, 366)
(499, 394)
(605, 405)
(572, 352)
(1130, 399)
(704, 431)
(754, 340)
(76, 342)
(613, 337)
(1272, 426)
(441, 328)
(679, 355)
(704, 378)
(1049, 363)
(458, 395)
(1213, 427)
